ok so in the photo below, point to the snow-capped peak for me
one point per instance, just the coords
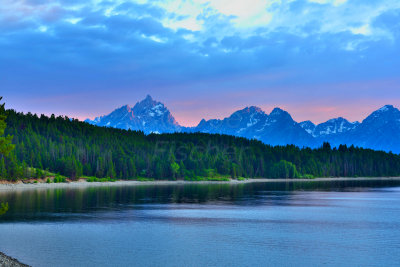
(383, 115)
(277, 111)
(147, 115)
(386, 108)
(278, 114)
(332, 126)
(308, 126)
(339, 119)
(254, 109)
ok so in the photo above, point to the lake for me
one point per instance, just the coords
(340, 223)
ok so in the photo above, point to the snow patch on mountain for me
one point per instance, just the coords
(147, 115)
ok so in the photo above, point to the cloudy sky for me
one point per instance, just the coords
(317, 59)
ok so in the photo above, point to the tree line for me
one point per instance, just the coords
(74, 149)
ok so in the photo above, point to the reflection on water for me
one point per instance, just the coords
(346, 223)
(3, 208)
(46, 204)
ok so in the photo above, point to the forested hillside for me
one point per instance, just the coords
(73, 148)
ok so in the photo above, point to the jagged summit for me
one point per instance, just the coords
(383, 115)
(147, 115)
(387, 108)
(308, 126)
(277, 111)
(308, 123)
(334, 126)
(253, 109)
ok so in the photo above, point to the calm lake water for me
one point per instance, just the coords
(261, 224)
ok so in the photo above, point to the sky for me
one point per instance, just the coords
(317, 59)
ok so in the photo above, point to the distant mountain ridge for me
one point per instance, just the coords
(332, 126)
(379, 131)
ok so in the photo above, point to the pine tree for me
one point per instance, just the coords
(25, 173)
(3, 170)
(3, 208)
(182, 169)
(132, 169)
(174, 169)
(111, 170)
(5, 141)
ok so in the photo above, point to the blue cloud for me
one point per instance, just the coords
(106, 44)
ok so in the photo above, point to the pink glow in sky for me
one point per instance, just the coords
(203, 58)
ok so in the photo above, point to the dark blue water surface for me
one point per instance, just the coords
(349, 223)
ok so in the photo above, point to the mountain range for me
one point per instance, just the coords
(379, 131)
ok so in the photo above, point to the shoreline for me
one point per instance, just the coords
(9, 261)
(84, 184)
